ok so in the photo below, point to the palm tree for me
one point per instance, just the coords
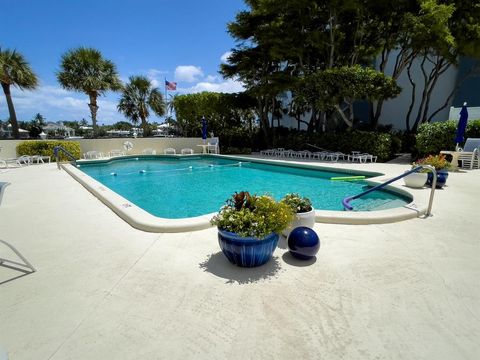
(15, 70)
(85, 70)
(138, 96)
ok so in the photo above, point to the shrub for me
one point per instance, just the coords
(437, 136)
(45, 148)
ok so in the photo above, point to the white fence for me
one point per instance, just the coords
(473, 113)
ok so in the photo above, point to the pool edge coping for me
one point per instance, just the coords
(142, 220)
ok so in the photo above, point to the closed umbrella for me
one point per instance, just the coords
(204, 129)
(462, 124)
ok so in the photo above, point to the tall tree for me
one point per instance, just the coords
(138, 97)
(222, 111)
(15, 70)
(282, 42)
(451, 31)
(85, 70)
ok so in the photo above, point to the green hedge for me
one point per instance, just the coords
(375, 143)
(45, 148)
(236, 150)
(437, 136)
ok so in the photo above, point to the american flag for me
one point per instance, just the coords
(170, 85)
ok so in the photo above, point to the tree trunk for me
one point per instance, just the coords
(264, 125)
(93, 111)
(311, 123)
(144, 126)
(412, 100)
(403, 58)
(343, 116)
(438, 71)
(454, 91)
(11, 110)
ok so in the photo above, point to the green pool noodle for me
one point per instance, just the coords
(360, 177)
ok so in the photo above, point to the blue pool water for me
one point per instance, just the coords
(179, 188)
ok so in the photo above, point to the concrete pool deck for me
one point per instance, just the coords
(104, 290)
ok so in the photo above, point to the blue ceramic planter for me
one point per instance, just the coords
(247, 251)
(303, 243)
(442, 176)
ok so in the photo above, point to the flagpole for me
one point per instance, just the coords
(166, 101)
(165, 84)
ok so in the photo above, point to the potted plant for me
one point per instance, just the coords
(441, 165)
(248, 228)
(417, 179)
(304, 214)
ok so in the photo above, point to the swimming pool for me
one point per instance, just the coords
(176, 188)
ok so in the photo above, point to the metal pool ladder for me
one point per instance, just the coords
(346, 201)
(57, 150)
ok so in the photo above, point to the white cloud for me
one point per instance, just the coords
(155, 83)
(212, 78)
(225, 56)
(188, 73)
(156, 77)
(155, 73)
(58, 104)
(227, 86)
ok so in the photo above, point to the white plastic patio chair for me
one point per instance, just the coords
(469, 155)
(169, 151)
(212, 146)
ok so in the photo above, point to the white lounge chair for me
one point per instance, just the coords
(40, 159)
(93, 154)
(3, 185)
(169, 151)
(11, 264)
(212, 146)
(18, 162)
(187, 151)
(25, 160)
(268, 152)
(149, 151)
(469, 155)
(116, 152)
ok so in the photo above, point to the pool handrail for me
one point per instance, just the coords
(68, 154)
(346, 201)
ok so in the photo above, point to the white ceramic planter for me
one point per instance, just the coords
(306, 219)
(416, 180)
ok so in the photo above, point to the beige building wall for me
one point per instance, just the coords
(9, 147)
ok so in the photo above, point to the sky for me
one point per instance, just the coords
(183, 41)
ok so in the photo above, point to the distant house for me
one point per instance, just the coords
(58, 130)
(163, 130)
(118, 133)
(6, 132)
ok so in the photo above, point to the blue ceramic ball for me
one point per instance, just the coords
(303, 243)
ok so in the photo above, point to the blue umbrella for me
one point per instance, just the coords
(462, 124)
(204, 129)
